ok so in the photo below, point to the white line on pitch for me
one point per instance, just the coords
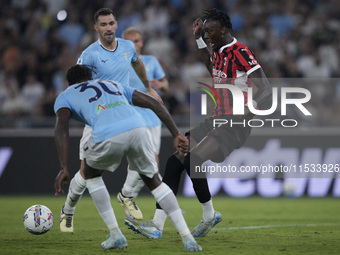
(272, 226)
(278, 226)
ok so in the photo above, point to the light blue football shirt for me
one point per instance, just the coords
(110, 65)
(103, 105)
(153, 71)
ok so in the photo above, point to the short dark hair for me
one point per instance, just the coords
(219, 16)
(103, 12)
(78, 73)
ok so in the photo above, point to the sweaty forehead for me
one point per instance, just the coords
(211, 24)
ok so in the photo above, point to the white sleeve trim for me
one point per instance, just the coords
(253, 69)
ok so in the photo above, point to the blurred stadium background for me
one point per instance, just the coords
(41, 39)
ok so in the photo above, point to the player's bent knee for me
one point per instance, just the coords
(90, 172)
(153, 182)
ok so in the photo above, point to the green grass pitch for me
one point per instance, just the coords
(250, 226)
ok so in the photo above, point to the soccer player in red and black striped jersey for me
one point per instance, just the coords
(230, 62)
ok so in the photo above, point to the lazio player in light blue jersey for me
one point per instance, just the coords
(96, 103)
(106, 106)
(110, 58)
(111, 64)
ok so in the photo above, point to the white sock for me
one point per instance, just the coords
(75, 191)
(159, 219)
(138, 187)
(208, 211)
(101, 198)
(167, 200)
(132, 180)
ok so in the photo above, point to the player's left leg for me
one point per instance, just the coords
(141, 157)
(105, 155)
(207, 148)
(167, 200)
(154, 134)
(101, 198)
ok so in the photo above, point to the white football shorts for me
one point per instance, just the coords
(135, 144)
(155, 136)
(86, 136)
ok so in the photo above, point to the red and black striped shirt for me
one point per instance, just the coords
(231, 65)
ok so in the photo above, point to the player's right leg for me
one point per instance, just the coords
(134, 183)
(125, 196)
(76, 188)
(174, 167)
(75, 191)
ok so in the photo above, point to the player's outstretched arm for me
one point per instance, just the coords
(61, 136)
(197, 28)
(139, 68)
(143, 100)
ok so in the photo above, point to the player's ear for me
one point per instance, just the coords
(224, 31)
(95, 27)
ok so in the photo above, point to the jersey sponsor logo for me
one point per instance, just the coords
(100, 107)
(219, 74)
(110, 106)
(125, 55)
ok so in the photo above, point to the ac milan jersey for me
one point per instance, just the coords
(231, 65)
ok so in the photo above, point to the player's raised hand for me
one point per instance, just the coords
(197, 27)
(155, 84)
(62, 177)
(181, 144)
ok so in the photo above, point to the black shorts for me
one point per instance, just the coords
(229, 137)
